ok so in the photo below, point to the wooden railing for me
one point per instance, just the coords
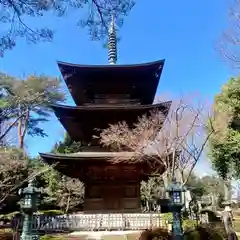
(92, 222)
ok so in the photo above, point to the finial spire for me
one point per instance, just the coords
(112, 42)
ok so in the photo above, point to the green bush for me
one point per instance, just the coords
(51, 212)
(205, 232)
(52, 237)
(201, 232)
(212, 217)
(217, 227)
(236, 225)
(189, 224)
(8, 235)
(8, 216)
(167, 217)
(155, 234)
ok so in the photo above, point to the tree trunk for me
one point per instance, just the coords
(22, 129)
(21, 142)
(165, 177)
(227, 190)
(68, 203)
(20, 138)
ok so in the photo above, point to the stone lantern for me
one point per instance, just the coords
(175, 191)
(29, 204)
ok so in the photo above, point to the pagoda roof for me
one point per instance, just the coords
(138, 80)
(76, 164)
(80, 122)
(82, 156)
(64, 109)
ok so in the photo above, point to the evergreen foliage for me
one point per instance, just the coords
(225, 142)
(25, 104)
(63, 192)
(67, 146)
(95, 19)
(58, 191)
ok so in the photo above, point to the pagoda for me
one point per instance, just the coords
(106, 95)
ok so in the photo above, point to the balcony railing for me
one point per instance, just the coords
(93, 222)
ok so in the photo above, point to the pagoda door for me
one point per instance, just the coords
(112, 197)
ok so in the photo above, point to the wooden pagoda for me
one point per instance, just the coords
(106, 95)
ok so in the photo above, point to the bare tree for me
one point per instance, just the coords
(176, 141)
(229, 41)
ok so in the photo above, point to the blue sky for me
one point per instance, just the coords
(182, 32)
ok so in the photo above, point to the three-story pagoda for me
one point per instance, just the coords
(106, 95)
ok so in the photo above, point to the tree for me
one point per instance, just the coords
(224, 143)
(70, 194)
(25, 104)
(153, 188)
(15, 171)
(176, 142)
(214, 185)
(14, 12)
(64, 192)
(196, 186)
(229, 42)
(67, 145)
(214, 189)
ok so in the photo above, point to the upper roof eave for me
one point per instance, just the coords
(166, 104)
(109, 66)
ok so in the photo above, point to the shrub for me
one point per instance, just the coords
(212, 217)
(8, 216)
(236, 225)
(204, 232)
(237, 213)
(51, 212)
(189, 224)
(8, 235)
(167, 217)
(155, 234)
(52, 237)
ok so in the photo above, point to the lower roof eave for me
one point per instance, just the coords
(87, 155)
(98, 156)
(66, 163)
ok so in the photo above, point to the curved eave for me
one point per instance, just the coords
(76, 165)
(81, 156)
(66, 110)
(87, 158)
(81, 122)
(66, 65)
(86, 81)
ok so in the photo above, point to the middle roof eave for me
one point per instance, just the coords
(60, 109)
